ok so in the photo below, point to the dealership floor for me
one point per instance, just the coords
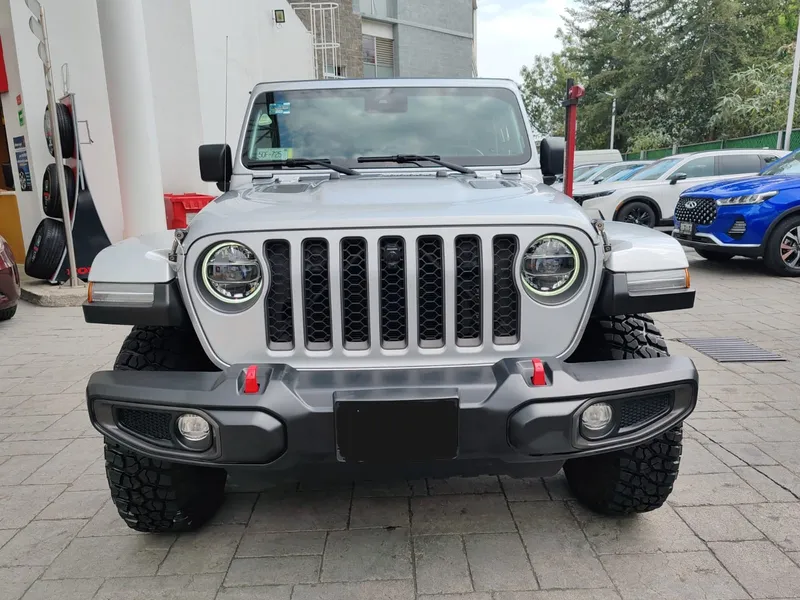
(731, 529)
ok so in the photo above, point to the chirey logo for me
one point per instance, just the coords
(691, 204)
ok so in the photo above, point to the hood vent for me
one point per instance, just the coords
(285, 188)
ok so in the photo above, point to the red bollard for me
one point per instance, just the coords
(574, 93)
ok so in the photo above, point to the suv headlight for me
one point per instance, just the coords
(231, 273)
(581, 198)
(550, 267)
(749, 199)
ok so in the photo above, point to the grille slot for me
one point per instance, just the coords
(316, 294)
(355, 294)
(505, 295)
(701, 211)
(147, 423)
(430, 291)
(280, 321)
(639, 411)
(394, 330)
(468, 290)
(738, 229)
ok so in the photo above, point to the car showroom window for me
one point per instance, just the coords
(734, 164)
(698, 167)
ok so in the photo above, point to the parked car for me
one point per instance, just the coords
(754, 217)
(649, 196)
(355, 314)
(601, 173)
(9, 281)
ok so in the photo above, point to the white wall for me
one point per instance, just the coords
(74, 39)
(258, 50)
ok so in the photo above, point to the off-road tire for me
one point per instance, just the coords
(637, 479)
(154, 495)
(7, 313)
(46, 249)
(158, 496)
(713, 255)
(772, 249)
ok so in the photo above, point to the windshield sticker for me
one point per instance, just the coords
(274, 153)
(264, 120)
(280, 108)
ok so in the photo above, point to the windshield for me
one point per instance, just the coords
(623, 175)
(656, 170)
(588, 174)
(471, 126)
(609, 171)
(790, 165)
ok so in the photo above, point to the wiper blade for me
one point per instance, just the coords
(413, 158)
(305, 162)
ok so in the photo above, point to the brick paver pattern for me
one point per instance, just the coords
(730, 530)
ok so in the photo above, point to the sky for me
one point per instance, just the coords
(512, 32)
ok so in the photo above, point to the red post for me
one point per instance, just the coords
(574, 93)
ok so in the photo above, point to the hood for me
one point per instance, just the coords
(386, 201)
(756, 184)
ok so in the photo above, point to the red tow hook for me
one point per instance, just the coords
(251, 380)
(539, 376)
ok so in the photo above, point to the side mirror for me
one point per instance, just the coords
(676, 178)
(551, 156)
(216, 165)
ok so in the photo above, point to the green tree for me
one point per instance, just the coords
(543, 87)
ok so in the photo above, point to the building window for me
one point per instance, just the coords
(378, 56)
(378, 8)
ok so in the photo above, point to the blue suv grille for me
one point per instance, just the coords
(701, 211)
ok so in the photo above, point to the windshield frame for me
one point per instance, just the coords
(530, 156)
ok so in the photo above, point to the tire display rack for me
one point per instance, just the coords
(46, 258)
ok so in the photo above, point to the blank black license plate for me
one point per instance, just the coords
(396, 430)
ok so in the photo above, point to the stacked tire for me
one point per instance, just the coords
(46, 251)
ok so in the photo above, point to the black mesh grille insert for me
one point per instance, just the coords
(430, 291)
(505, 296)
(316, 294)
(355, 293)
(468, 290)
(393, 292)
(639, 411)
(280, 323)
(147, 423)
(702, 211)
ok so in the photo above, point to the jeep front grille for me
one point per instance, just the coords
(379, 293)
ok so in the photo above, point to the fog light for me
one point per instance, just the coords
(597, 420)
(193, 428)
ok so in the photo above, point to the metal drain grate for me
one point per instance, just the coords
(731, 350)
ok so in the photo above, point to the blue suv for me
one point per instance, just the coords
(757, 216)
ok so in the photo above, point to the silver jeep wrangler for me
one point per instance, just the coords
(388, 289)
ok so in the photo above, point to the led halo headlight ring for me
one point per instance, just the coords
(552, 295)
(211, 288)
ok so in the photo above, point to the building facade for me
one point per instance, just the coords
(392, 38)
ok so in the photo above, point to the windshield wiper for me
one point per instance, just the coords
(413, 158)
(304, 162)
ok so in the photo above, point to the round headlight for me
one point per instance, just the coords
(231, 273)
(550, 266)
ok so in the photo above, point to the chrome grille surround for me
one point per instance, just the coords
(247, 338)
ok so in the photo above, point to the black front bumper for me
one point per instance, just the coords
(500, 416)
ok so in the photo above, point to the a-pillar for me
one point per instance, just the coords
(130, 95)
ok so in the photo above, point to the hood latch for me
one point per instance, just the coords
(600, 228)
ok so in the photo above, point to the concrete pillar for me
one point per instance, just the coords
(130, 94)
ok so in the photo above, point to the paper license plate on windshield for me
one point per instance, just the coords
(687, 228)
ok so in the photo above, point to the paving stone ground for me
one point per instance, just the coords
(731, 529)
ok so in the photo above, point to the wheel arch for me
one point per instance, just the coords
(645, 199)
(787, 214)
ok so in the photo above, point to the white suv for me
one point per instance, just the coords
(650, 195)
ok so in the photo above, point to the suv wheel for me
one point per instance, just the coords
(637, 479)
(782, 252)
(713, 255)
(154, 495)
(639, 213)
